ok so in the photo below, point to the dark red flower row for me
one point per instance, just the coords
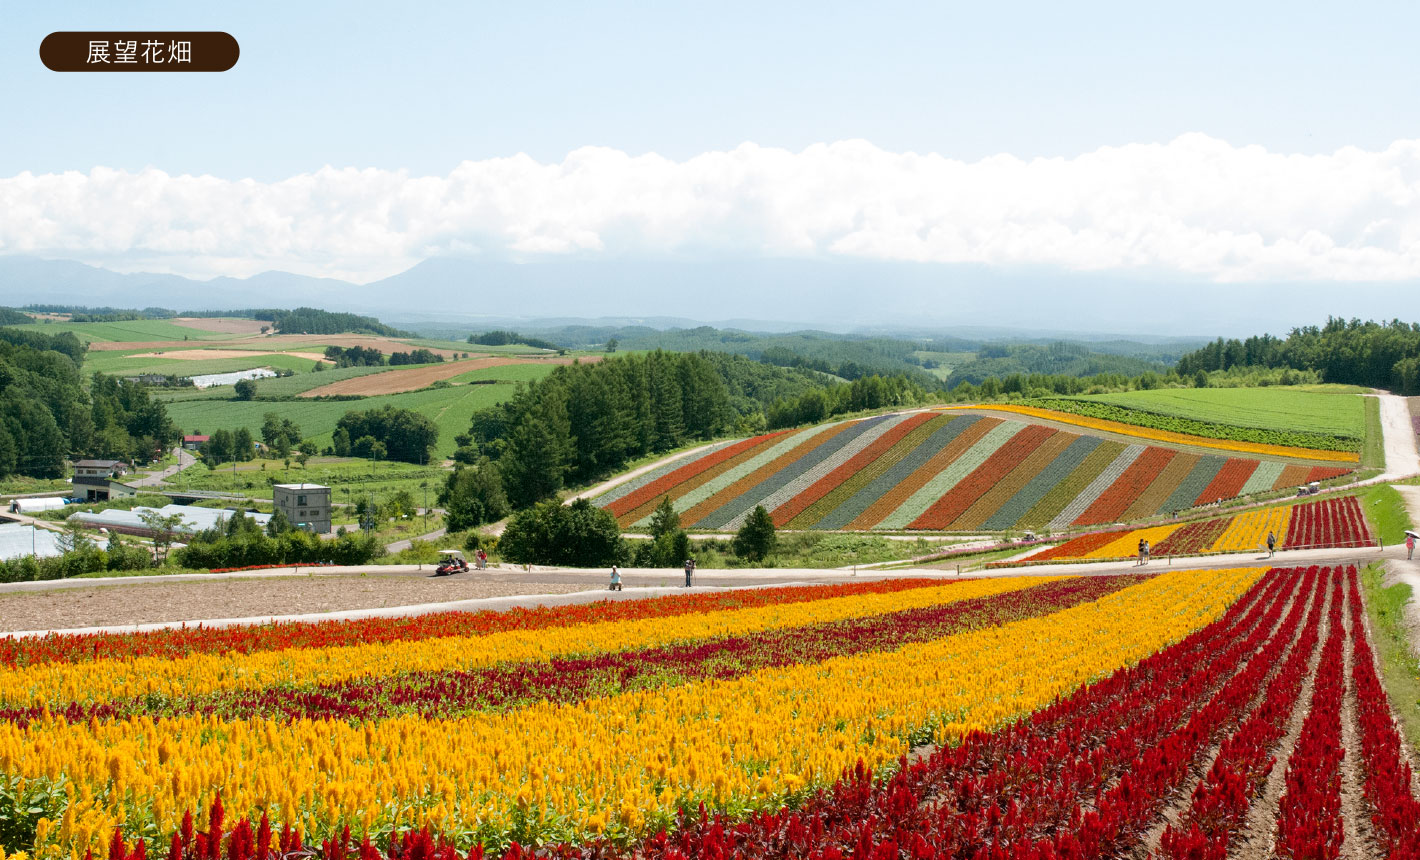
(1328, 523)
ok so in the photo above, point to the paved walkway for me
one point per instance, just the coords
(185, 460)
(1401, 457)
(1408, 572)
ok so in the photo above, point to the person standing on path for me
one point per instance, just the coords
(1141, 553)
(1147, 550)
(689, 571)
(1410, 547)
(1271, 544)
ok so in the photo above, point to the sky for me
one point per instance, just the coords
(1250, 143)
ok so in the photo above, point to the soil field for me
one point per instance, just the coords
(226, 325)
(206, 354)
(141, 603)
(415, 378)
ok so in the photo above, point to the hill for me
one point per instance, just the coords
(948, 472)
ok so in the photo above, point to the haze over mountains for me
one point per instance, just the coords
(764, 294)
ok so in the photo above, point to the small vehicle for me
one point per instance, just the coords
(451, 561)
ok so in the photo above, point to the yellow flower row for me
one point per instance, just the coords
(1168, 435)
(105, 680)
(1128, 544)
(626, 761)
(1248, 531)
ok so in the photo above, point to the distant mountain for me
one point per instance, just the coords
(837, 295)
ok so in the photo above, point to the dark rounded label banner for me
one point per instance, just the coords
(109, 51)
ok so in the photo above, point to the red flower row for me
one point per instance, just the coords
(1117, 498)
(1395, 811)
(1328, 523)
(1309, 817)
(1220, 803)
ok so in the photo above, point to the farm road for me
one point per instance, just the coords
(1401, 457)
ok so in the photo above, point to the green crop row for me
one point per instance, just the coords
(1194, 427)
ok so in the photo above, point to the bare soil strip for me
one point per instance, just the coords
(1261, 830)
(1360, 841)
(224, 325)
(142, 603)
(415, 378)
(1183, 801)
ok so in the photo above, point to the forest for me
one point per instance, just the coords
(1373, 354)
(48, 414)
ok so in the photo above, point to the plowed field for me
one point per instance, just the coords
(415, 378)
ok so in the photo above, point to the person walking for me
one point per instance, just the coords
(482, 559)
(1271, 544)
(1409, 547)
(689, 571)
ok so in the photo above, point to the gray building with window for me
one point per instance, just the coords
(307, 506)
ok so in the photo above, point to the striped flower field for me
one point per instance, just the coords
(942, 472)
(1321, 524)
(1043, 717)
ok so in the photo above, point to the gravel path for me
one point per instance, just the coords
(234, 598)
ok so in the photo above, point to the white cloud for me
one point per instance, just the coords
(1195, 206)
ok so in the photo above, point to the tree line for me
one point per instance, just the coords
(1373, 354)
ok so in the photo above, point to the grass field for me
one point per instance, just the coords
(449, 408)
(506, 373)
(131, 364)
(128, 330)
(340, 473)
(946, 361)
(1338, 412)
(288, 386)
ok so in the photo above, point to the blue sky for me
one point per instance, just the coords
(426, 86)
(1264, 143)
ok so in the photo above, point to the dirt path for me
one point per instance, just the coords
(1401, 457)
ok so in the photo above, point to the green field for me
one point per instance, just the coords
(119, 363)
(1339, 413)
(507, 373)
(128, 330)
(286, 386)
(946, 361)
(340, 473)
(449, 408)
